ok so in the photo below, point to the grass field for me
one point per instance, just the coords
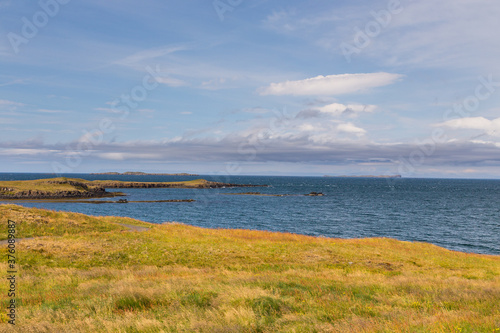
(92, 274)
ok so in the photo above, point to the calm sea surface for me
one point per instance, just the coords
(461, 215)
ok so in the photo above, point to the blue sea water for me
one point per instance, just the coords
(457, 214)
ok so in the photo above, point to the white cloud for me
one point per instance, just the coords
(483, 142)
(170, 81)
(351, 128)
(331, 84)
(491, 127)
(338, 109)
(25, 151)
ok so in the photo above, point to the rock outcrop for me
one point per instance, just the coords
(70, 188)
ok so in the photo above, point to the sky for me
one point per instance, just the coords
(238, 87)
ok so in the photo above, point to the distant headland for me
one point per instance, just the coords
(138, 173)
(367, 176)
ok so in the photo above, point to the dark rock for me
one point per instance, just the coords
(315, 194)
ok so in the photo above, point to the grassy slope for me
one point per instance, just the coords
(38, 222)
(40, 184)
(93, 277)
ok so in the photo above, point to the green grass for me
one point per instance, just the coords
(46, 185)
(32, 222)
(96, 277)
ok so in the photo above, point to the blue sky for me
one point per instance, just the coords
(261, 87)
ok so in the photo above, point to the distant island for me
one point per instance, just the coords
(312, 194)
(138, 173)
(366, 176)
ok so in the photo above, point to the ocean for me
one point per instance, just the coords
(458, 214)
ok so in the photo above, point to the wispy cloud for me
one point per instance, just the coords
(460, 27)
(9, 107)
(13, 82)
(4, 102)
(52, 111)
(466, 31)
(109, 110)
(146, 55)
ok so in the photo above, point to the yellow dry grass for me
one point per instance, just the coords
(178, 278)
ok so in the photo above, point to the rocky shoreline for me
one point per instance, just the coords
(37, 195)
